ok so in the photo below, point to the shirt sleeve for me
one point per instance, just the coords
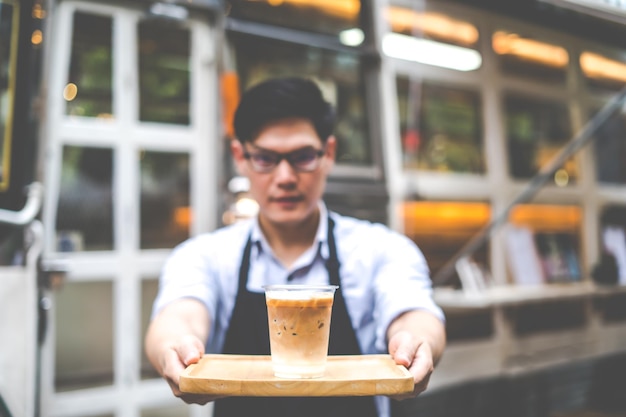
(402, 282)
(189, 273)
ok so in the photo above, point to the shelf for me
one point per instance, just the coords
(517, 294)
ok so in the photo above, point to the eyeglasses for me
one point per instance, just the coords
(302, 160)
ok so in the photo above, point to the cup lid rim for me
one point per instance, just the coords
(299, 287)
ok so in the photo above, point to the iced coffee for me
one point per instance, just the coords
(299, 326)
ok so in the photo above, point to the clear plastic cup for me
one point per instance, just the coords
(299, 328)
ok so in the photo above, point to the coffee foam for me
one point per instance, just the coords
(297, 295)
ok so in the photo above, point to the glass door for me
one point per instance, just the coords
(20, 233)
(9, 19)
(131, 143)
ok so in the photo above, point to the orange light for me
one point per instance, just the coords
(340, 8)
(230, 100)
(182, 217)
(546, 153)
(547, 218)
(598, 66)
(70, 91)
(436, 25)
(505, 43)
(37, 37)
(441, 218)
(38, 12)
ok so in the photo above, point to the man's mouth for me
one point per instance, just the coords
(287, 199)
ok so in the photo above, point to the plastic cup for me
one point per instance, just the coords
(299, 328)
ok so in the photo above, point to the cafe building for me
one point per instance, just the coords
(491, 133)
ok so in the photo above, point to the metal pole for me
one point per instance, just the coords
(30, 210)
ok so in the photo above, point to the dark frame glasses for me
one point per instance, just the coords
(301, 160)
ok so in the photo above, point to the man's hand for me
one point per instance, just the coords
(175, 340)
(188, 350)
(416, 356)
(416, 341)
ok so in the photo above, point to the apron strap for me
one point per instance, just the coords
(245, 265)
(332, 264)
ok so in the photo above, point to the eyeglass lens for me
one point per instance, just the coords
(302, 159)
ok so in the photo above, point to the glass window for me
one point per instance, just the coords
(89, 86)
(8, 60)
(164, 73)
(441, 127)
(165, 210)
(536, 131)
(84, 335)
(85, 207)
(329, 17)
(10, 237)
(149, 289)
(610, 150)
(527, 57)
(602, 73)
(338, 75)
(442, 228)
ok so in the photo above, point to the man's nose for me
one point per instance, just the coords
(284, 171)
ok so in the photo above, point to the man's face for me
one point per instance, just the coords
(287, 194)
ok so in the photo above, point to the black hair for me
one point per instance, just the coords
(279, 99)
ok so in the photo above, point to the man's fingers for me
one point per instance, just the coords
(190, 350)
(402, 348)
(172, 367)
(416, 356)
(175, 358)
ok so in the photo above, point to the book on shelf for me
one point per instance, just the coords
(559, 257)
(539, 257)
(614, 241)
(524, 262)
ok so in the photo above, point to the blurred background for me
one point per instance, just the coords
(491, 133)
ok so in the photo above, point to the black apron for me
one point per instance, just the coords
(248, 334)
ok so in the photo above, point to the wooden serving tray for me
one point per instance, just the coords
(252, 376)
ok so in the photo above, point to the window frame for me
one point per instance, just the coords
(496, 185)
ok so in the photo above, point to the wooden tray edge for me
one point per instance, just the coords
(288, 387)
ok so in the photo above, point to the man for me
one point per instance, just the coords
(211, 296)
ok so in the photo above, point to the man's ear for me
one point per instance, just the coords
(330, 150)
(331, 147)
(236, 148)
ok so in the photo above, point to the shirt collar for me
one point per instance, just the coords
(321, 239)
(321, 236)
